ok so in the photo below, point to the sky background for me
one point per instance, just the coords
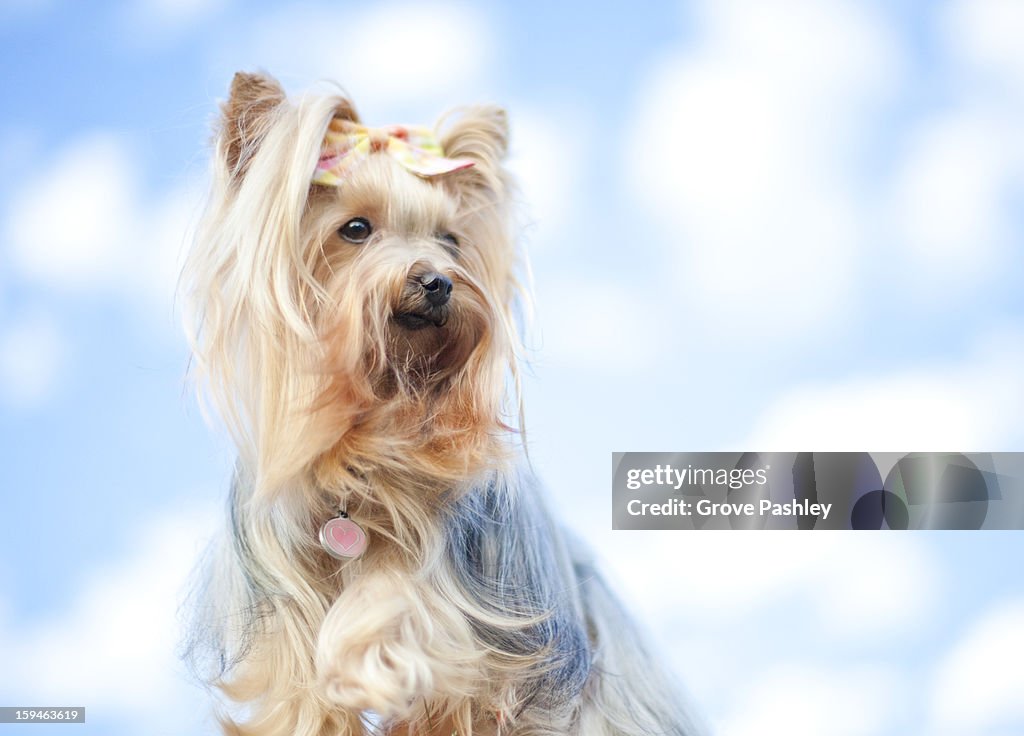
(770, 226)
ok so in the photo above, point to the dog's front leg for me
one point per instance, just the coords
(391, 645)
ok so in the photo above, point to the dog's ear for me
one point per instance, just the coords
(246, 117)
(480, 133)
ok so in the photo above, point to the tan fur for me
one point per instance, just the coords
(304, 373)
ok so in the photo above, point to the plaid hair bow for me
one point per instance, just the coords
(346, 144)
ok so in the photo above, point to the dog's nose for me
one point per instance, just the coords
(437, 288)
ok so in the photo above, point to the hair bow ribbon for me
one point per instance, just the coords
(346, 144)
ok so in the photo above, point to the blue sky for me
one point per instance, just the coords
(752, 226)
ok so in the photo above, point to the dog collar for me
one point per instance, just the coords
(347, 144)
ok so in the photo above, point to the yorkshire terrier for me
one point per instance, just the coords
(388, 565)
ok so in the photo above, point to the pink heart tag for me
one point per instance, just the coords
(343, 538)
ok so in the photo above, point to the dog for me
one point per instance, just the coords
(387, 564)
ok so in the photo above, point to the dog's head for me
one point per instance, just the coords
(357, 317)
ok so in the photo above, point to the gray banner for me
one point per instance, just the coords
(817, 490)
(38, 714)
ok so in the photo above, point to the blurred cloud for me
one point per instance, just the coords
(879, 592)
(986, 35)
(79, 226)
(743, 572)
(112, 647)
(67, 225)
(882, 589)
(598, 324)
(802, 701)
(740, 146)
(412, 52)
(978, 685)
(546, 158)
(751, 146)
(950, 204)
(32, 352)
(968, 404)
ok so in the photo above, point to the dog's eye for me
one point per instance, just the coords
(356, 230)
(450, 241)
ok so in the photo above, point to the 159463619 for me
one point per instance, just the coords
(42, 715)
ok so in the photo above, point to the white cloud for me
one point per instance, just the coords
(877, 585)
(600, 326)
(32, 351)
(753, 146)
(67, 225)
(920, 409)
(113, 648)
(546, 157)
(739, 148)
(760, 624)
(949, 203)
(878, 589)
(978, 685)
(748, 570)
(409, 52)
(80, 227)
(986, 36)
(966, 405)
(801, 701)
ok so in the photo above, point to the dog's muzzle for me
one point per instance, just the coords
(429, 297)
(437, 287)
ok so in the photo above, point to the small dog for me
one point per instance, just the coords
(388, 565)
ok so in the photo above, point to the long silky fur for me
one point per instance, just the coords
(470, 611)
